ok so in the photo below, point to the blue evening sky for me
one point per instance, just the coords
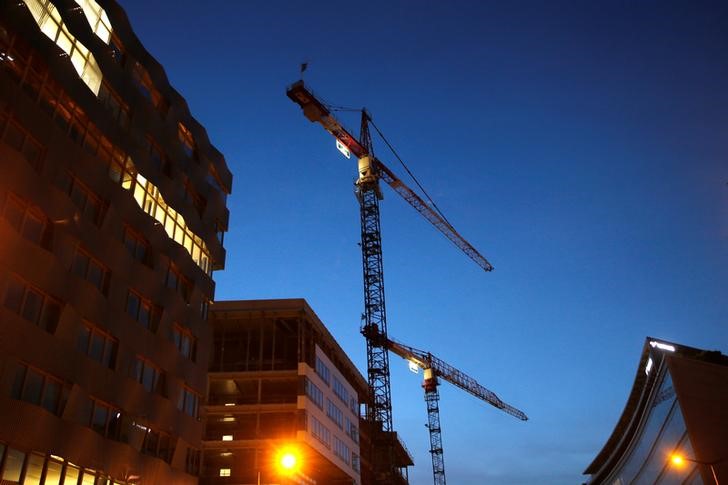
(581, 146)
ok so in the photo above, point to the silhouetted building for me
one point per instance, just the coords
(678, 405)
(112, 210)
(279, 380)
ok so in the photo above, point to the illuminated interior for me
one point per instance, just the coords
(97, 19)
(151, 201)
(49, 20)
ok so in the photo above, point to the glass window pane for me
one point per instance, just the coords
(138, 369)
(80, 264)
(33, 228)
(98, 420)
(109, 353)
(148, 378)
(14, 295)
(14, 136)
(17, 389)
(34, 470)
(51, 393)
(32, 305)
(132, 305)
(190, 404)
(96, 351)
(33, 387)
(176, 337)
(145, 315)
(82, 342)
(14, 214)
(78, 196)
(13, 465)
(53, 473)
(114, 424)
(50, 316)
(89, 477)
(185, 346)
(71, 477)
(32, 151)
(96, 275)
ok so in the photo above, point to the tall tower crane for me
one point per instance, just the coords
(374, 319)
(434, 368)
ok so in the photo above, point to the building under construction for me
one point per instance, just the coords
(279, 381)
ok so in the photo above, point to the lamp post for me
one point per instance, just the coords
(679, 460)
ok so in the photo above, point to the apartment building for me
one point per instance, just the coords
(280, 382)
(112, 212)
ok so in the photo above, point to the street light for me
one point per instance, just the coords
(679, 460)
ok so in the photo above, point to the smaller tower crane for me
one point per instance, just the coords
(434, 368)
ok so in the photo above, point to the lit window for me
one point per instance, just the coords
(49, 20)
(97, 19)
(149, 198)
(224, 472)
(227, 437)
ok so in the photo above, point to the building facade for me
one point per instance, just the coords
(678, 406)
(279, 381)
(112, 211)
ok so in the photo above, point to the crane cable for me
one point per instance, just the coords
(394, 152)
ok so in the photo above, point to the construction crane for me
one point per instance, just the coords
(433, 369)
(374, 319)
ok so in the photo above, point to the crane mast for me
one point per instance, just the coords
(434, 368)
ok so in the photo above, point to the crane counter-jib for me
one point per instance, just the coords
(316, 112)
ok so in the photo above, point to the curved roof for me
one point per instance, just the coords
(629, 425)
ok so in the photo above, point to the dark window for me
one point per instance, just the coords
(194, 197)
(28, 221)
(149, 375)
(143, 311)
(98, 345)
(104, 419)
(87, 202)
(192, 462)
(137, 246)
(37, 387)
(18, 138)
(32, 304)
(187, 140)
(188, 402)
(176, 281)
(86, 267)
(117, 49)
(185, 342)
(112, 102)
